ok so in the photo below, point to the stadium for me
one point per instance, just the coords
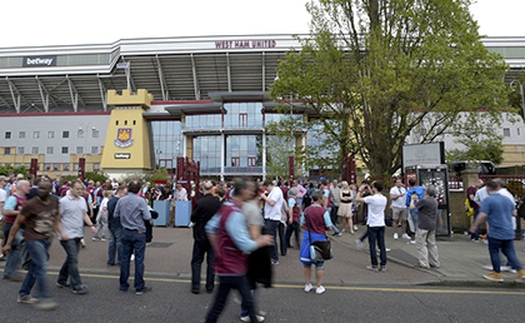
(210, 102)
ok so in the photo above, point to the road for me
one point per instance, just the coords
(171, 301)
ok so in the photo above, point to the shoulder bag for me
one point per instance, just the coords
(319, 250)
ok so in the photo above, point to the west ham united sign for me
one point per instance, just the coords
(124, 139)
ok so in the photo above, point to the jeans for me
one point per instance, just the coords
(226, 283)
(300, 203)
(199, 249)
(414, 220)
(132, 240)
(377, 233)
(115, 245)
(70, 267)
(102, 224)
(475, 236)
(272, 226)
(507, 247)
(282, 238)
(290, 229)
(13, 258)
(38, 250)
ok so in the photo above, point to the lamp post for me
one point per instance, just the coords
(522, 95)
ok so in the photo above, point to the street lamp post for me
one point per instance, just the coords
(522, 95)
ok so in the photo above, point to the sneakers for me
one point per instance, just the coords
(104, 239)
(95, 239)
(338, 234)
(502, 268)
(246, 318)
(319, 290)
(308, 288)
(396, 236)
(372, 268)
(359, 244)
(46, 305)
(275, 262)
(382, 269)
(406, 236)
(386, 249)
(355, 227)
(412, 242)
(27, 300)
(145, 290)
(418, 265)
(83, 242)
(494, 276)
(132, 257)
(82, 289)
(63, 285)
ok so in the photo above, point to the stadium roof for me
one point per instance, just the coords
(76, 78)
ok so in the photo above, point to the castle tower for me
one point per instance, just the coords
(127, 148)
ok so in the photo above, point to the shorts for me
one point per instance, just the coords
(399, 213)
(319, 265)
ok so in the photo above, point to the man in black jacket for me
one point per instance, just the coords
(205, 209)
(115, 228)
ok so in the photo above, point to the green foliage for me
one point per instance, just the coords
(96, 176)
(156, 174)
(7, 169)
(373, 72)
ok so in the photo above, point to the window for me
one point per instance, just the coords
(94, 150)
(506, 132)
(80, 133)
(65, 134)
(8, 135)
(36, 134)
(56, 166)
(66, 167)
(20, 151)
(21, 135)
(95, 133)
(65, 150)
(34, 150)
(7, 151)
(50, 150)
(76, 166)
(80, 150)
(47, 167)
(50, 135)
(96, 166)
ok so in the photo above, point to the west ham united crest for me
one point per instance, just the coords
(123, 138)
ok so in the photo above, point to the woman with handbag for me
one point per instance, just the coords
(315, 222)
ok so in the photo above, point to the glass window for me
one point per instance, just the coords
(76, 166)
(47, 167)
(210, 121)
(7, 151)
(66, 167)
(50, 150)
(65, 150)
(80, 133)
(56, 167)
(94, 150)
(243, 115)
(80, 150)
(20, 151)
(506, 132)
(7, 135)
(50, 135)
(36, 134)
(167, 140)
(34, 150)
(95, 133)
(21, 135)
(65, 134)
(207, 150)
(96, 166)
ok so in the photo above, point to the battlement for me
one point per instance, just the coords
(141, 98)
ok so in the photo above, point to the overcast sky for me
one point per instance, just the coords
(61, 22)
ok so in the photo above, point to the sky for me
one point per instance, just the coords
(66, 22)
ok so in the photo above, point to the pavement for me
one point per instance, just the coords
(169, 255)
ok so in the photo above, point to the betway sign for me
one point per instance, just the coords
(243, 44)
(39, 61)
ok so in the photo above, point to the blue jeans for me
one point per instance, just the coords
(37, 271)
(475, 236)
(200, 248)
(377, 233)
(272, 227)
(507, 248)
(132, 241)
(70, 267)
(13, 258)
(226, 283)
(115, 245)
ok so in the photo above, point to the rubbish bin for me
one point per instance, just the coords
(163, 209)
(182, 213)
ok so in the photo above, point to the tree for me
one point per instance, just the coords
(373, 71)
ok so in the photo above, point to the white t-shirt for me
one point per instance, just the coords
(376, 210)
(274, 212)
(3, 196)
(400, 201)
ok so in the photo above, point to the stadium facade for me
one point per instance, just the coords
(210, 101)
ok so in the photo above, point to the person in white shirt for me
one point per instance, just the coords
(399, 209)
(180, 193)
(375, 222)
(3, 197)
(272, 213)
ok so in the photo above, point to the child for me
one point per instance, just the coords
(102, 217)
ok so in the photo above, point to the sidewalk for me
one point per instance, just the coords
(170, 254)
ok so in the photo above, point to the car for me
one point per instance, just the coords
(484, 167)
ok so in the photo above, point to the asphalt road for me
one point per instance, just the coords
(171, 301)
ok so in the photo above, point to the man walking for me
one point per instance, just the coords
(205, 209)
(399, 209)
(272, 214)
(498, 210)
(73, 214)
(420, 192)
(426, 231)
(40, 218)
(133, 211)
(12, 207)
(115, 228)
(471, 195)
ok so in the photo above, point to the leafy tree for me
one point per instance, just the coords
(7, 169)
(374, 71)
